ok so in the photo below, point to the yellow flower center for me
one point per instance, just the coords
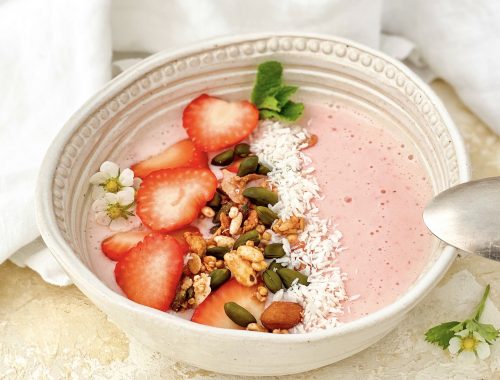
(115, 211)
(468, 343)
(112, 185)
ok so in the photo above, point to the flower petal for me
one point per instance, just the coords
(98, 192)
(98, 178)
(126, 177)
(463, 333)
(111, 198)
(126, 196)
(110, 168)
(455, 345)
(483, 350)
(102, 218)
(478, 336)
(99, 205)
(467, 357)
(119, 225)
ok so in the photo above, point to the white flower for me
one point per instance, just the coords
(116, 210)
(467, 344)
(109, 179)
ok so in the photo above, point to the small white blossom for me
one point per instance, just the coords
(467, 344)
(109, 179)
(116, 210)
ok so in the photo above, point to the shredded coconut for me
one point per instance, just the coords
(280, 147)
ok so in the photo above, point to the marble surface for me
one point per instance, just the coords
(57, 333)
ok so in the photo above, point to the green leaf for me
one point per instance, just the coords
(488, 332)
(292, 111)
(268, 81)
(284, 93)
(441, 334)
(270, 103)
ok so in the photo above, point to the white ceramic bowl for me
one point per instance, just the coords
(322, 66)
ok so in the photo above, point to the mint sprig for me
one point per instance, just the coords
(272, 97)
(441, 334)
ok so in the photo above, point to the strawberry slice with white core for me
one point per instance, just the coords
(181, 154)
(169, 199)
(149, 273)
(214, 124)
(115, 246)
(211, 311)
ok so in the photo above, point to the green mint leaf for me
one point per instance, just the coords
(268, 81)
(284, 93)
(488, 332)
(270, 103)
(271, 115)
(441, 334)
(292, 111)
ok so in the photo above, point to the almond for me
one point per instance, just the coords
(281, 315)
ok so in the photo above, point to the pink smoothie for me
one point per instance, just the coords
(374, 190)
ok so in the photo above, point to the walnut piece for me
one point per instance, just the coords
(251, 222)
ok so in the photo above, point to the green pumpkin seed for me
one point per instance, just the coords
(218, 277)
(242, 150)
(266, 216)
(217, 252)
(250, 235)
(274, 266)
(215, 201)
(238, 314)
(261, 196)
(224, 158)
(272, 280)
(248, 166)
(274, 251)
(289, 275)
(263, 169)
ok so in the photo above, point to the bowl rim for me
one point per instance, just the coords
(84, 278)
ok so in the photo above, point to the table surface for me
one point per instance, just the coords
(52, 332)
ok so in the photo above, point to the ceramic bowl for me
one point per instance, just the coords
(323, 66)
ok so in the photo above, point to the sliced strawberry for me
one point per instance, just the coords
(179, 236)
(234, 166)
(169, 199)
(114, 247)
(213, 124)
(181, 154)
(211, 311)
(149, 273)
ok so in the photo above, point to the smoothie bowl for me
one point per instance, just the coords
(253, 205)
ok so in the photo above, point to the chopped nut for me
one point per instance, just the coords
(259, 266)
(233, 212)
(250, 253)
(256, 327)
(201, 285)
(251, 222)
(208, 212)
(260, 228)
(241, 269)
(236, 224)
(278, 331)
(194, 264)
(196, 243)
(224, 241)
(282, 315)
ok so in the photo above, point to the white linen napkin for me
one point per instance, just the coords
(54, 54)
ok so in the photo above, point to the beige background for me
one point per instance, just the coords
(47, 332)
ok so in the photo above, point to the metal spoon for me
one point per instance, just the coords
(467, 216)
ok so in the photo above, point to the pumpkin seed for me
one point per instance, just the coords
(242, 150)
(274, 251)
(274, 266)
(217, 252)
(248, 166)
(238, 314)
(218, 277)
(262, 169)
(224, 158)
(272, 280)
(266, 216)
(215, 201)
(289, 275)
(250, 235)
(261, 196)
